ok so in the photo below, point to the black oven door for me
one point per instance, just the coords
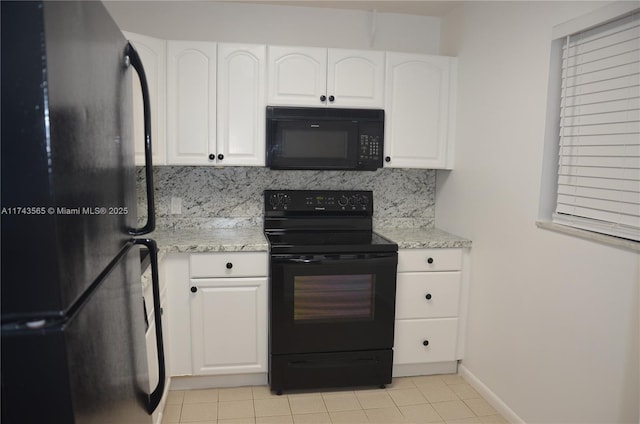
(331, 303)
(312, 144)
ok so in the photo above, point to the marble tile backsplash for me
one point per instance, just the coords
(233, 196)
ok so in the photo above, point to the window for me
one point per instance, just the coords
(598, 128)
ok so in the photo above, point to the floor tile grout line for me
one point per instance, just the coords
(362, 408)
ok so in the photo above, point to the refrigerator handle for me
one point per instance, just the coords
(136, 62)
(156, 395)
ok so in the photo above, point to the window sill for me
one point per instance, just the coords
(589, 235)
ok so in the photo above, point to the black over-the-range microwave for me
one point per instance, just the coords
(324, 138)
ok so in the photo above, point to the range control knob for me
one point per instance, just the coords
(279, 200)
(343, 201)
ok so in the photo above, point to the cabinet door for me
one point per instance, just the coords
(191, 100)
(297, 76)
(152, 54)
(355, 78)
(417, 106)
(241, 104)
(229, 325)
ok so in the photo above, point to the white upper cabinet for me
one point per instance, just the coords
(355, 78)
(191, 102)
(152, 54)
(297, 75)
(242, 73)
(419, 111)
(308, 76)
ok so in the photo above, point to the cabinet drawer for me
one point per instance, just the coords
(228, 264)
(428, 295)
(429, 260)
(411, 335)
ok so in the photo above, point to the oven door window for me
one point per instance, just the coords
(314, 144)
(333, 297)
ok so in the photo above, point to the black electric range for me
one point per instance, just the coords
(332, 288)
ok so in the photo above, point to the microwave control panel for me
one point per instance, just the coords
(370, 146)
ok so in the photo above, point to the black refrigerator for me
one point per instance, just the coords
(73, 321)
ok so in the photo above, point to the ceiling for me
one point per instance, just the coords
(416, 7)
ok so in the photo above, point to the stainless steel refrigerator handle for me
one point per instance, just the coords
(156, 395)
(132, 57)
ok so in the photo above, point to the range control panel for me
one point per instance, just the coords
(319, 201)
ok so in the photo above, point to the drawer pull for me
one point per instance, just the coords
(229, 265)
(430, 260)
(194, 289)
(425, 343)
(428, 296)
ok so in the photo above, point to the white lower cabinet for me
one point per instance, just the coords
(428, 312)
(229, 325)
(218, 320)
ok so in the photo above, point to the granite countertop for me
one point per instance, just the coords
(252, 239)
(423, 238)
(249, 239)
(193, 240)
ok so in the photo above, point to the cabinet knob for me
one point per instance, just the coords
(323, 98)
(220, 156)
(425, 343)
(229, 265)
(212, 157)
(428, 296)
(194, 289)
(429, 260)
(387, 159)
(331, 98)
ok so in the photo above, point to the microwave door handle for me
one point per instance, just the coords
(136, 62)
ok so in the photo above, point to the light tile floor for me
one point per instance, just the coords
(425, 399)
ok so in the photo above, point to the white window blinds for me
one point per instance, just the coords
(599, 163)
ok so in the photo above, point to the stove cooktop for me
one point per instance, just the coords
(322, 221)
(329, 242)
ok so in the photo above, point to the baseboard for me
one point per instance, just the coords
(490, 396)
(215, 381)
(406, 370)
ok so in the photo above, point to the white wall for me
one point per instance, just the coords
(284, 25)
(553, 328)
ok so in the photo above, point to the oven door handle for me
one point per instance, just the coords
(301, 260)
(319, 259)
